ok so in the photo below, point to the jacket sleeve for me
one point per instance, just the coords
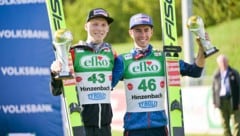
(117, 73)
(191, 70)
(238, 85)
(56, 86)
(215, 86)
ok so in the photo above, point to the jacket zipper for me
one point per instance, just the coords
(148, 120)
(99, 115)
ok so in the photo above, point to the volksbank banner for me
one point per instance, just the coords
(26, 104)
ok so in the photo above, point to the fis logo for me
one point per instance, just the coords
(147, 66)
(57, 14)
(170, 23)
(95, 61)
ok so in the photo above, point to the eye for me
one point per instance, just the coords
(137, 30)
(146, 30)
(94, 24)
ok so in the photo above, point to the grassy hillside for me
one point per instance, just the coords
(224, 36)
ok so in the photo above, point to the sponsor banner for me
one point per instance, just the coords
(173, 73)
(26, 53)
(200, 115)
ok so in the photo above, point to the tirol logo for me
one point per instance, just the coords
(95, 61)
(148, 104)
(147, 66)
(97, 96)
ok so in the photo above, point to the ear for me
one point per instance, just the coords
(130, 32)
(108, 29)
(86, 27)
(152, 31)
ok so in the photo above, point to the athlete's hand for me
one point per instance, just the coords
(200, 59)
(207, 36)
(56, 67)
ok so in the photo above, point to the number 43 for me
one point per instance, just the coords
(97, 78)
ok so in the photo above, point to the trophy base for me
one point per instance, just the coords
(64, 76)
(210, 52)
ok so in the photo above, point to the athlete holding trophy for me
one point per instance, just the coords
(62, 43)
(195, 24)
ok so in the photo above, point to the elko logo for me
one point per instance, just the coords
(95, 61)
(147, 66)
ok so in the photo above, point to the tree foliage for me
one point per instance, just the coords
(217, 11)
(212, 11)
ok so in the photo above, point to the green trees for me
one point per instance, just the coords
(212, 11)
(217, 11)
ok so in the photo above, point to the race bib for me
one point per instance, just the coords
(94, 87)
(145, 94)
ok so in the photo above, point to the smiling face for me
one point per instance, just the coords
(141, 35)
(97, 29)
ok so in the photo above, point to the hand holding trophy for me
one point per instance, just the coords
(62, 43)
(195, 24)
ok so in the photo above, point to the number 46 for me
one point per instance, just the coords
(150, 84)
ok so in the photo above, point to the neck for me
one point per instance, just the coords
(223, 69)
(141, 48)
(94, 41)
